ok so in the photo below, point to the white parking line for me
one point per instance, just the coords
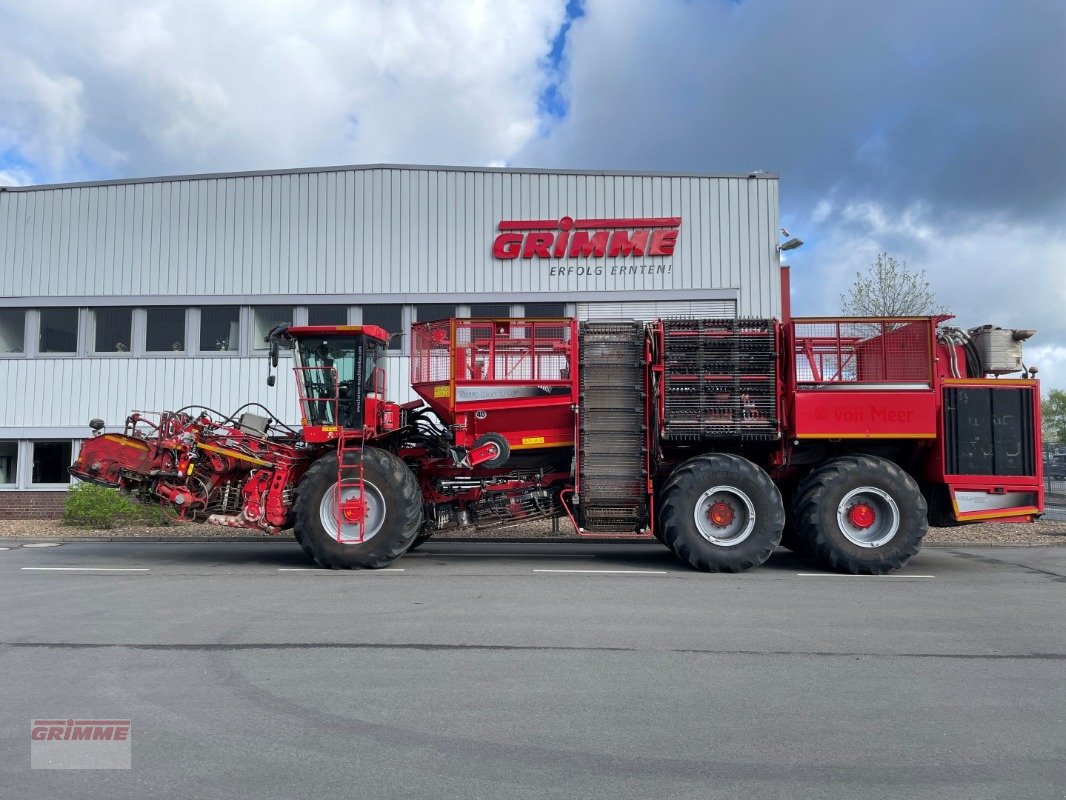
(849, 575)
(88, 569)
(330, 571)
(608, 571)
(42, 544)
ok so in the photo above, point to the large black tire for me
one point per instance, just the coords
(790, 536)
(394, 521)
(721, 513)
(861, 514)
(304, 544)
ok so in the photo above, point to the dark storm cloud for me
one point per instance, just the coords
(957, 103)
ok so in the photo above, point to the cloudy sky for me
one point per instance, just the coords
(933, 129)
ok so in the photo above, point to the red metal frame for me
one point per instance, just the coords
(514, 377)
(868, 379)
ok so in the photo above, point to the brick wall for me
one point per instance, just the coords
(32, 505)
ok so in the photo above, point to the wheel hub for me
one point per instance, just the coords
(351, 516)
(724, 515)
(862, 515)
(868, 516)
(354, 510)
(720, 514)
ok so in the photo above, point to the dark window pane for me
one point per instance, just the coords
(549, 310)
(50, 462)
(428, 313)
(219, 329)
(59, 330)
(9, 461)
(166, 330)
(328, 315)
(12, 330)
(264, 319)
(114, 328)
(388, 317)
(490, 311)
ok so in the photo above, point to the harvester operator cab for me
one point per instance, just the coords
(340, 375)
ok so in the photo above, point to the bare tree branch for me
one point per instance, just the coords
(889, 288)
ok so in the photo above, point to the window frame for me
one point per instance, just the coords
(243, 331)
(254, 349)
(80, 325)
(91, 338)
(140, 328)
(26, 338)
(27, 464)
(17, 474)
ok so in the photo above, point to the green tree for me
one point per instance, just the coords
(1053, 413)
(889, 288)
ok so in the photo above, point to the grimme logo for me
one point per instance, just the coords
(80, 743)
(586, 238)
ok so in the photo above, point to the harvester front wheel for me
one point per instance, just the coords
(721, 513)
(861, 514)
(304, 544)
(393, 512)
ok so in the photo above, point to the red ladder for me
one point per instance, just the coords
(350, 489)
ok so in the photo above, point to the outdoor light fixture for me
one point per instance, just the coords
(791, 244)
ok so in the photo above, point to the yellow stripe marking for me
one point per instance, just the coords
(234, 454)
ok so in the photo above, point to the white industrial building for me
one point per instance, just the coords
(155, 293)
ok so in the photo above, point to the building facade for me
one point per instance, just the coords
(155, 294)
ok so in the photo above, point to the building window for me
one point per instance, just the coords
(328, 315)
(545, 310)
(9, 463)
(265, 319)
(435, 311)
(389, 317)
(220, 329)
(12, 330)
(490, 311)
(114, 330)
(59, 330)
(50, 462)
(165, 331)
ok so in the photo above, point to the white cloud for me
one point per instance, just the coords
(167, 86)
(15, 177)
(986, 268)
(1051, 362)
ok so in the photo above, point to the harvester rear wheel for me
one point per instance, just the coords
(861, 514)
(393, 512)
(721, 513)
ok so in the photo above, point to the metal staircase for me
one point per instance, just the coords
(611, 436)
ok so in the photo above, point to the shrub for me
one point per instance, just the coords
(91, 506)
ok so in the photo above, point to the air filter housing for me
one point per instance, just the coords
(999, 349)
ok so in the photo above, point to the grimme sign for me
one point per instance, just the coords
(564, 238)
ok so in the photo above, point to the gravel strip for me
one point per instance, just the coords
(1044, 532)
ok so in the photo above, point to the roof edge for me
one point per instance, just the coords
(204, 176)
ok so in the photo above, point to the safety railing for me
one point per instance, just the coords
(491, 351)
(876, 351)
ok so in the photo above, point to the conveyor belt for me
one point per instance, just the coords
(612, 438)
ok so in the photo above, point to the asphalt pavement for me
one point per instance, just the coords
(481, 670)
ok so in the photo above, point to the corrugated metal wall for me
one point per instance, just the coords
(68, 392)
(373, 231)
(350, 235)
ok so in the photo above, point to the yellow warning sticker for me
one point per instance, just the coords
(532, 440)
(442, 391)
